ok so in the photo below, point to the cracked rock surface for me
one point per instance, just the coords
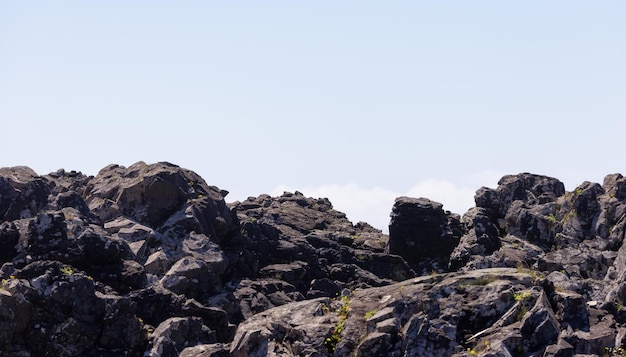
(150, 260)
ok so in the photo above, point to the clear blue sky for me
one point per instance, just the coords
(359, 101)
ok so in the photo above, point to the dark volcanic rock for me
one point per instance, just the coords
(160, 196)
(22, 193)
(481, 238)
(149, 260)
(293, 229)
(420, 229)
(533, 189)
(176, 333)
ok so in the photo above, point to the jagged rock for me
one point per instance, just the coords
(9, 237)
(191, 277)
(294, 215)
(533, 189)
(123, 276)
(173, 335)
(157, 263)
(16, 312)
(581, 215)
(150, 260)
(160, 195)
(296, 273)
(299, 329)
(602, 334)
(323, 288)
(121, 329)
(132, 232)
(423, 316)
(55, 310)
(202, 248)
(561, 349)
(73, 200)
(212, 350)
(156, 304)
(539, 326)
(534, 224)
(249, 297)
(481, 238)
(571, 310)
(23, 193)
(67, 181)
(581, 261)
(421, 229)
(354, 277)
(269, 223)
(174, 247)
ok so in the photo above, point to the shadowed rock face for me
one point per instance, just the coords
(420, 229)
(150, 260)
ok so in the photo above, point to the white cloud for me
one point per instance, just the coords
(373, 205)
(454, 198)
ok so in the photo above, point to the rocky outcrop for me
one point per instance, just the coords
(498, 311)
(421, 230)
(304, 240)
(150, 260)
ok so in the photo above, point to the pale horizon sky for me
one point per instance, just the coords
(357, 101)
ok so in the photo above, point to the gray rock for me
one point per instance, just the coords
(212, 350)
(300, 327)
(23, 194)
(173, 335)
(191, 277)
(481, 238)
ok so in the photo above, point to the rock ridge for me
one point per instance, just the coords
(150, 260)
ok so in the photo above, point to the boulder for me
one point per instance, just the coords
(525, 187)
(173, 335)
(481, 238)
(156, 304)
(299, 328)
(158, 195)
(23, 194)
(420, 228)
(191, 277)
(122, 330)
(9, 237)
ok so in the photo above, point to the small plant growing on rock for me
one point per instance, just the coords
(614, 351)
(521, 296)
(478, 349)
(331, 342)
(67, 270)
(369, 314)
(4, 282)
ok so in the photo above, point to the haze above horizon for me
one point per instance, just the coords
(357, 101)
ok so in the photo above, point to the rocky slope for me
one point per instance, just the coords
(150, 260)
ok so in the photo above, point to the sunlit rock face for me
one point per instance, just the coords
(150, 260)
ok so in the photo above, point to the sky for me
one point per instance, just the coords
(357, 101)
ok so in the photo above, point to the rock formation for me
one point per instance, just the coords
(150, 260)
